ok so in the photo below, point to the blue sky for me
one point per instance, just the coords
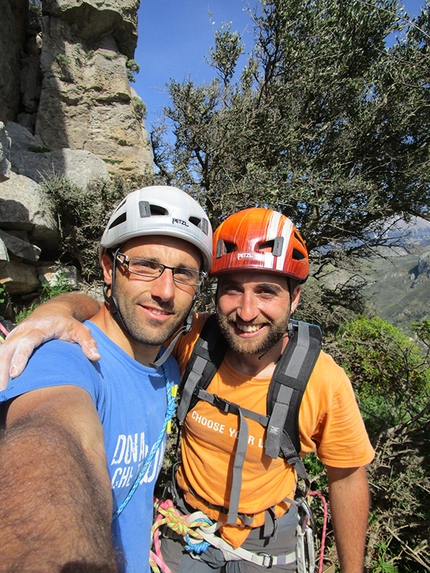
(175, 36)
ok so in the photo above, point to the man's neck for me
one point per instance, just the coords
(143, 353)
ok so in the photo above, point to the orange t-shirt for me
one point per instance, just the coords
(329, 423)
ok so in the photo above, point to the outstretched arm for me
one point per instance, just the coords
(55, 494)
(56, 318)
(349, 505)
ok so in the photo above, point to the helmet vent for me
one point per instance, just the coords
(299, 238)
(223, 248)
(121, 219)
(148, 210)
(297, 255)
(202, 224)
(275, 246)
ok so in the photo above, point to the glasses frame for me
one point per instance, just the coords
(125, 261)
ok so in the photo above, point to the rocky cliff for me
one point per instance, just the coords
(66, 108)
(64, 75)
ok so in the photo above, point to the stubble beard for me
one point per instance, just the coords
(251, 347)
(150, 333)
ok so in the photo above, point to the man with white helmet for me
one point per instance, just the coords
(83, 442)
(227, 472)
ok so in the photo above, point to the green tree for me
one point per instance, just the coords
(324, 123)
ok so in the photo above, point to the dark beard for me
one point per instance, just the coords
(246, 348)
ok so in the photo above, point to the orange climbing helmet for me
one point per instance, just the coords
(261, 240)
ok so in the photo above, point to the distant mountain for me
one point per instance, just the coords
(399, 288)
(398, 281)
(415, 233)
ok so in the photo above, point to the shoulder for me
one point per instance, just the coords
(185, 344)
(327, 373)
(55, 363)
(328, 388)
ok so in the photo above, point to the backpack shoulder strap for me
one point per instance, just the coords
(206, 358)
(287, 387)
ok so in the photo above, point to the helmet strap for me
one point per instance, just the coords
(111, 299)
(183, 330)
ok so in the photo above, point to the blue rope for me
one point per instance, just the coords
(170, 412)
(197, 547)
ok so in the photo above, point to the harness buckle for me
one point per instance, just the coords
(221, 404)
(267, 560)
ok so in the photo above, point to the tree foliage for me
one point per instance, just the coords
(390, 372)
(324, 123)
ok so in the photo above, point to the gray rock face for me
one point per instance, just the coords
(98, 18)
(12, 43)
(35, 161)
(21, 249)
(4, 153)
(72, 80)
(18, 278)
(24, 207)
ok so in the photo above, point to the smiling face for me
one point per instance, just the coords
(153, 309)
(253, 310)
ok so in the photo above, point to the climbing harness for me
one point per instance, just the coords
(199, 533)
(171, 390)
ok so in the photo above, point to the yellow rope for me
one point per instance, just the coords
(170, 516)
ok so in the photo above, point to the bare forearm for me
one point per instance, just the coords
(53, 511)
(77, 305)
(349, 503)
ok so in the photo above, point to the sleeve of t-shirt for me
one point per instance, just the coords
(55, 363)
(330, 421)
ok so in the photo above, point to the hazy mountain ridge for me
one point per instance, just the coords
(415, 233)
(399, 295)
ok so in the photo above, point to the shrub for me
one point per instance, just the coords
(132, 68)
(391, 377)
(59, 285)
(82, 216)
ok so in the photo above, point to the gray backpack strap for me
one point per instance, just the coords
(236, 486)
(286, 390)
(206, 358)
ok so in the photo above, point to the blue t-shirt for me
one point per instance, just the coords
(131, 402)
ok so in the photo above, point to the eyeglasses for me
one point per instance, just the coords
(152, 270)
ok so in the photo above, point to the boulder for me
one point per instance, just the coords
(21, 249)
(30, 158)
(25, 207)
(52, 274)
(18, 278)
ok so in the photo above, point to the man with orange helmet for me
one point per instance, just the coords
(260, 261)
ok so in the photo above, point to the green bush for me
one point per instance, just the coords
(132, 68)
(389, 371)
(4, 300)
(82, 216)
(391, 377)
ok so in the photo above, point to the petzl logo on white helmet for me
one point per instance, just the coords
(179, 222)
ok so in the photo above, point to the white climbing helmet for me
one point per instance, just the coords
(160, 210)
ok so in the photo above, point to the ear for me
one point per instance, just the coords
(295, 298)
(107, 268)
